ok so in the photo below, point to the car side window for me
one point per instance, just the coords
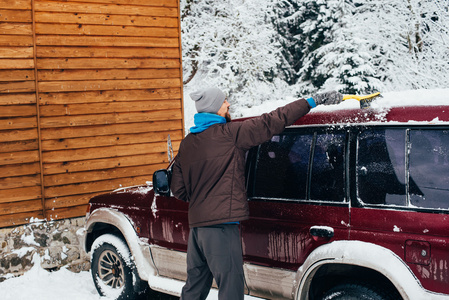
(328, 170)
(429, 169)
(381, 177)
(282, 167)
(285, 163)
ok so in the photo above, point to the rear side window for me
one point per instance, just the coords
(429, 169)
(301, 166)
(400, 167)
(381, 167)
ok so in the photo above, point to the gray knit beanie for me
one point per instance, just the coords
(209, 100)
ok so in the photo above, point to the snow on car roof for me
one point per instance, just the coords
(413, 106)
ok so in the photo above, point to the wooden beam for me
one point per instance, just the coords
(17, 87)
(96, 30)
(106, 52)
(19, 170)
(108, 129)
(114, 107)
(16, 52)
(111, 140)
(19, 219)
(164, 3)
(109, 96)
(18, 135)
(20, 207)
(99, 175)
(12, 146)
(118, 9)
(95, 186)
(19, 157)
(105, 19)
(16, 28)
(16, 63)
(16, 40)
(20, 181)
(115, 118)
(99, 41)
(69, 201)
(104, 163)
(18, 123)
(67, 212)
(104, 152)
(108, 74)
(24, 110)
(104, 63)
(20, 194)
(15, 4)
(95, 85)
(9, 15)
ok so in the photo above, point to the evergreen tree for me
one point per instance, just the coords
(345, 63)
(406, 40)
(263, 50)
(228, 44)
(303, 26)
(287, 27)
(319, 51)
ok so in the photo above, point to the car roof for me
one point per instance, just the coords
(406, 114)
(436, 114)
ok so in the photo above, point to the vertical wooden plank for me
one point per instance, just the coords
(21, 180)
(180, 66)
(41, 163)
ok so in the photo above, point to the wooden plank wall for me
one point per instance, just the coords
(89, 91)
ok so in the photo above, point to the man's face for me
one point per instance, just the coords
(224, 111)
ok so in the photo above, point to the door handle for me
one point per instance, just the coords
(321, 232)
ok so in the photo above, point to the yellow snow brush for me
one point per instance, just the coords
(364, 100)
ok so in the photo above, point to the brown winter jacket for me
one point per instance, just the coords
(209, 170)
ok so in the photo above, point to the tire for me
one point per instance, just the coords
(356, 291)
(113, 270)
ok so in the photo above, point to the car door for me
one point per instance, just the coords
(297, 202)
(401, 197)
(169, 232)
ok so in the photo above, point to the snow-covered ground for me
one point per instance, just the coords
(39, 284)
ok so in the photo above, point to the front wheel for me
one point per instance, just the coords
(356, 291)
(113, 270)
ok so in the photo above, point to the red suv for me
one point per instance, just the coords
(345, 204)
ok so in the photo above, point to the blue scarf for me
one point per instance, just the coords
(205, 120)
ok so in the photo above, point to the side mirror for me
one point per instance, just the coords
(161, 182)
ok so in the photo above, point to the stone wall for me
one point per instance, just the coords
(55, 242)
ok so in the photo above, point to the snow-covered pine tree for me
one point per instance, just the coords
(345, 63)
(428, 41)
(319, 52)
(229, 44)
(407, 41)
(287, 27)
(303, 26)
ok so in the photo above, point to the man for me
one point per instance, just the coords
(209, 173)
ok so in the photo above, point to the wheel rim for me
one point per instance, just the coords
(110, 269)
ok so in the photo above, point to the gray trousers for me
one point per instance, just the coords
(214, 252)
